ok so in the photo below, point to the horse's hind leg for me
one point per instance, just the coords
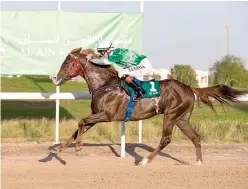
(169, 123)
(188, 130)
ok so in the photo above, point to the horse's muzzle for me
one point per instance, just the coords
(57, 81)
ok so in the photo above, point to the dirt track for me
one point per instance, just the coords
(225, 166)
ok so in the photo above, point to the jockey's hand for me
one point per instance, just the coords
(89, 56)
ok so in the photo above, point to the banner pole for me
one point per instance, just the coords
(140, 121)
(57, 102)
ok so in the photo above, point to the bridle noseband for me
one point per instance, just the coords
(80, 67)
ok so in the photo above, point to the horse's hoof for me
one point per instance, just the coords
(143, 162)
(78, 152)
(54, 151)
(199, 162)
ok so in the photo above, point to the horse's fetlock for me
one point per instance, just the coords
(165, 141)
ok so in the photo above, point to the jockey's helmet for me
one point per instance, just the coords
(104, 46)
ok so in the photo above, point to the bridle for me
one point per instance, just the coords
(78, 65)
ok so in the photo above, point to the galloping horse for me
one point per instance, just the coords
(110, 100)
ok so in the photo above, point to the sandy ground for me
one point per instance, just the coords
(29, 166)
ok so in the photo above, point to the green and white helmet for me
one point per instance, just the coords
(103, 46)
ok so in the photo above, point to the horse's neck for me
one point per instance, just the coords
(97, 77)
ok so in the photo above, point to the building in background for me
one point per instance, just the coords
(163, 73)
(201, 76)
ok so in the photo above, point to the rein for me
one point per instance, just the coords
(78, 65)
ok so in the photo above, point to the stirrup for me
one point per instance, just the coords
(135, 99)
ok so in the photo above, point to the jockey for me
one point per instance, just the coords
(128, 64)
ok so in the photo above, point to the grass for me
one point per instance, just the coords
(38, 84)
(34, 120)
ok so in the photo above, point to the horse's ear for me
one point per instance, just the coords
(85, 52)
(81, 50)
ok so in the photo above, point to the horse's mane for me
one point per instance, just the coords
(110, 69)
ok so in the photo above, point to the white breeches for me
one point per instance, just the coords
(144, 68)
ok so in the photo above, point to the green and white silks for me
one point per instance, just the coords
(128, 62)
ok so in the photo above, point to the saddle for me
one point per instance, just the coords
(151, 87)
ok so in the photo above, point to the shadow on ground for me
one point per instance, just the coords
(131, 149)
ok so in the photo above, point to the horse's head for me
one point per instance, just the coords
(74, 64)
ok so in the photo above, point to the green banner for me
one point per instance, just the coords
(36, 42)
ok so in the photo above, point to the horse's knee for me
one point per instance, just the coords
(83, 127)
(165, 141)
(81, 123)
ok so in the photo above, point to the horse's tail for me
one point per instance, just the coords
(221, 93)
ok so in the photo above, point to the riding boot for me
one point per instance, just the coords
(137, 87)
(140, 91)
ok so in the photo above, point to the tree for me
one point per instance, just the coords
(184, 74)
(230, 71)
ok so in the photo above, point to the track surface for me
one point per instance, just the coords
(28, 166)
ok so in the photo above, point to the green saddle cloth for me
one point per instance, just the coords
(152, 88)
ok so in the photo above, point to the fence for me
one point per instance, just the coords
(71, 96)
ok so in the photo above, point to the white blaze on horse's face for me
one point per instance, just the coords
(56, 81)
(58, 78)
(71, 67)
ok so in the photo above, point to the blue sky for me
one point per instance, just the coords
(174, 32)
(194, 33)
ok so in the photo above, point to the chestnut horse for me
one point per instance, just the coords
(110, 101)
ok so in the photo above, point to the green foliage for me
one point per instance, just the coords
(231, 125)
(155, 76)
(184, 74)
(230, 71)
(39, 84)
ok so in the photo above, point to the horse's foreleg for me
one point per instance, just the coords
(66, 144)
(71, 139)
(85, 124)
(83, 128)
